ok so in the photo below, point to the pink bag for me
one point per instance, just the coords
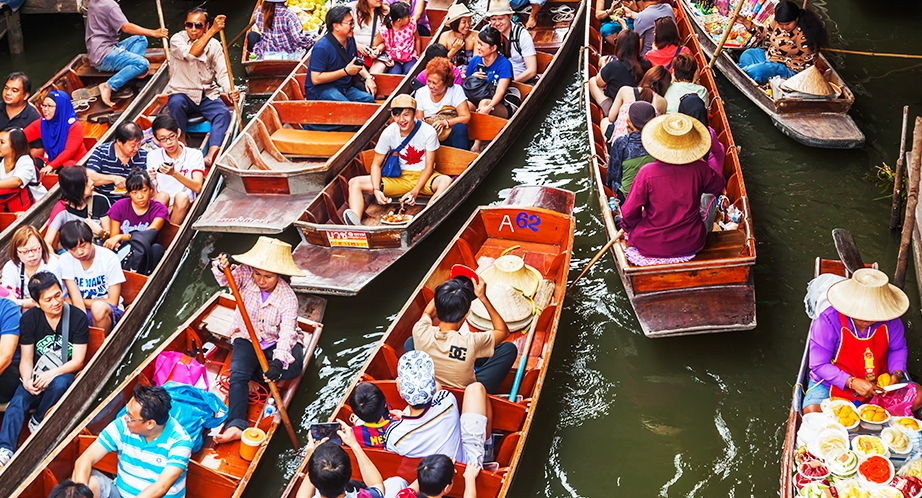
(178, 367)
(899, 402)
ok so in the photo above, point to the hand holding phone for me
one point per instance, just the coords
(166, 168)
(328, 430)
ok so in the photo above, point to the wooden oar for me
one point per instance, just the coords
(723, 39)
(542, 298)
(254, 340)
(230, 79)
(596, 258)
(848, 250)
(166, 43)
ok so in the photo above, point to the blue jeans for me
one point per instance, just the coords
(215, 111)
(755, 64)
(24, 401)
(458, 137)
(349, 94)
(126, 60)
(401, 67)
(815, 394)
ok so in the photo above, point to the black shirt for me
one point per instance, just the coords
(34, 329)
(21, 120)
(617, 74)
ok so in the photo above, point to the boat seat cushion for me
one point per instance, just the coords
(309, 143)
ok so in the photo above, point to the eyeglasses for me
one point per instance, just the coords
(196, 25)
(127, 418)
(23, 251)
(350, 23)
(169, 138)
(49, 106)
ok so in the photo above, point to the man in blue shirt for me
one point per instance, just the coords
(9, 349)
(332, 64)
(109, 164)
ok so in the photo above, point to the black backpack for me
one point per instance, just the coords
(145, 253)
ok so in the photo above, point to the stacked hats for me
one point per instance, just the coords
(510, 285)
(809, 81)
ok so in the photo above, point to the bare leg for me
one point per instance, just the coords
(162, 198)
(230, 434)
(102, 315)
(377, 67)
(440, 184)
(358, 187)
(105, 94)
(181, 204)
(475, 401)
(812, 409)
(211, 155)
(598, 95)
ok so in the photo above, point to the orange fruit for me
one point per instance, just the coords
(883, 380)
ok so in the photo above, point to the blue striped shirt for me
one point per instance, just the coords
(140, 463)
(103, 160)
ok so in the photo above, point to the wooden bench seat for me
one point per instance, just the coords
(310, 143)
(722, 245)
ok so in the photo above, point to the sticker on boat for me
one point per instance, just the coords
(345, 238)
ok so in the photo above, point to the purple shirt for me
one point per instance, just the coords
(718, 153)
(824, 342)
(662, 211)
(458, 79)
(122, 212)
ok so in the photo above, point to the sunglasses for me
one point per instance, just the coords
(196, 25)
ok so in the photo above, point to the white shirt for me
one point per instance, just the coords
(24, 169)
(11, 276)
(362, 34)
(436, 431)
(413, 156)
(518, 58)
(189, 161)
(94, 283)
(454, 96)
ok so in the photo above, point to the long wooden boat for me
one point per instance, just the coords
(143, 293)
(216, 470)
(714, 292)
(489, 231)
(263, 77)
(813, 122)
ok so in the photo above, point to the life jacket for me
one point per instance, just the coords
(861, 358)
(14, 200)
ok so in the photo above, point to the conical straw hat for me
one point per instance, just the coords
(809, 81)
(486, 324)
(509, 302)
(273, 255)
(512, 270)
(676, 139)
(499, 8)
(868, 296)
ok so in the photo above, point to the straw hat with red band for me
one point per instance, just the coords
(272, 255)
(868, 296)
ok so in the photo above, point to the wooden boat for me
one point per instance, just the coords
(714, 292)
(216, 470)
(811, 121)
(263, 77)
(142, 293)
(488, 232)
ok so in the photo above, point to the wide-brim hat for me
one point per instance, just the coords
(676, 139)
(499, 8)
(457, 11)
(868, 296)
(512, 270)
(809, 81)
(270, 254)
(508, 301)
(486, 324)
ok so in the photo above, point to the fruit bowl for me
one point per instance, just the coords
(873, 417)
(896, 441)
(908, 425)
(843, 412)
(867, 446)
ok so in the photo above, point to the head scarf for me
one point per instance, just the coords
(692, 105)
(55, 130)
(416, 373)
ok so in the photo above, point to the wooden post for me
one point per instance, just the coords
(898, 175)
(723, 39)
(14, 32)
(909, 222)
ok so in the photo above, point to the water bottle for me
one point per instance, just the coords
(615, 207)
(270, 410)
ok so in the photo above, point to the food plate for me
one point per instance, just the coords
(396, 219)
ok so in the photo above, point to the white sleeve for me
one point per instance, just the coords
(24, 170)
(10, 275)
(67, 267)
(457, 96)
(154, 159)
(112, 268)
(431, 137)
(526, 43)
(54, 266)
(195, 161)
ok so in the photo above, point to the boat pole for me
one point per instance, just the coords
(898, 175)
(230, 79)
(596, 258)
(166, 42)
(912, 200)
(723, 39)
(260, 355)
(248, 26)
(542, 299)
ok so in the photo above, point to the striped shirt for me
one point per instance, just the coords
(103, 160)
(140, 463)
(436, 431)
(371, 435)
(285, 35)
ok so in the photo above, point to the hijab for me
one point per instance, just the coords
(692, 105)
(54, 131)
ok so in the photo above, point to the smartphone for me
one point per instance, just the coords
(320, 431)
(481, 68)
(359, 61)
(165, 167)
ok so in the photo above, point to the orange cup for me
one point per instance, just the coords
(250, 442)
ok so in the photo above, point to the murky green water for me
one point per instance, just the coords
(621, 415)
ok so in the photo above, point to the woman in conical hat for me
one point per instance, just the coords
(857, 344)
(273, 309)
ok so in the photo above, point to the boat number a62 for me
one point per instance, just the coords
(522, 220)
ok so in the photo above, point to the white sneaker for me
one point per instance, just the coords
(5, 456)
(352, 218)
(33, 425)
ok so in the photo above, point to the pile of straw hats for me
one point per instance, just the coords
(510, 286)
(811, 82)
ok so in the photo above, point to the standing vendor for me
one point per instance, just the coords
(273, 310)
(858, 338)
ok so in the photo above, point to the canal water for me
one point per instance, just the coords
(620, 415)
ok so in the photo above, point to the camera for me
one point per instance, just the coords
(359, 61)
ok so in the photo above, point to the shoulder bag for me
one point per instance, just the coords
(477, 89)
(391, 167)
(56, 354)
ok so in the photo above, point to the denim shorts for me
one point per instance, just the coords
(816, 393)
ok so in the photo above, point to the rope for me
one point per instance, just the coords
(873, 54)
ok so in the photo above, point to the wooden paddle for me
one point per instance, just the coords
(166, 43)
(723, 39)
(848, 251)
(230, 79)
(596, 258)
(254, 340)
(542, 298)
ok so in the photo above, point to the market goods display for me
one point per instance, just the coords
(875, 470)
(873, 413)
(868, 445)
(311, 13)
(896, 440)
(905, 423)
(910, 486)
(846, 415)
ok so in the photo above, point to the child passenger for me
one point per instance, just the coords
(368, 403)
(400, 39)
(92, 275)
(136, 213)
(178, 171)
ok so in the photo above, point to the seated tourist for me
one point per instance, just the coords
(329, 469)
(152, 469)
(368, 15)
(661, 216)
(520, 49)
(666, 44)
(29, 255)
(437, 50)
(416, 158)
(487, 360)
(273, 308)
(645, 17)
(333, 66)
(434, 475)
(110, 163)
(92, 275)
(15, 109)
(278, 33)
(611, 26)
(794, 38)
(692, 105)
(653, 86)
(685, 69)
(179, 171)
(418, 15)
(440, 93)
(20, 180)
(492, 65)
(625, 68)
(80, 203)
(626, 155)
(459, 39)
(137, 213)
(856, 339)
(431, 423)
(9, 349)
(70, 489)
(59, 130)
(398, 40)
(41, 390)
(369, 405)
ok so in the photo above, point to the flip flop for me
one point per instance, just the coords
(85, 93)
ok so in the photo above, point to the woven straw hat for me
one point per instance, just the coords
(512, 270)
(499, 8)
(676, 139)
(809, 81)
(868, 296)
(509, 302)
(273, 255)
(457, 11)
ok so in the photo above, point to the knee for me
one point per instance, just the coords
(367, 98)
(61, 382)
(221, 118)
(476, 390)
(100, 310)
(181, 200)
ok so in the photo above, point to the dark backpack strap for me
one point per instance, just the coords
(339, 48)
(676, 54)
(636, 94)
(516, 33)
(65, 333)
(374, 26)
(406, 141)
(22, 280)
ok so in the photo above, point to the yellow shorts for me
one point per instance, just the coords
(399, 185)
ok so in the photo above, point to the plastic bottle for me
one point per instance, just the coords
(270, 410)
(615, 207)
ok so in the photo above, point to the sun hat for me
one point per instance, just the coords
(509, 302)
(512, 270)
(464, 271)
(676, 139)
(609, 29)
(499, 8)
(270, 254)
(416, 377)
(457, 11)
(403, 101)
(640, 113)
(809, 81)
(868, 296)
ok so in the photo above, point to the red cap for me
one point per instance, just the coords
(464, 271)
